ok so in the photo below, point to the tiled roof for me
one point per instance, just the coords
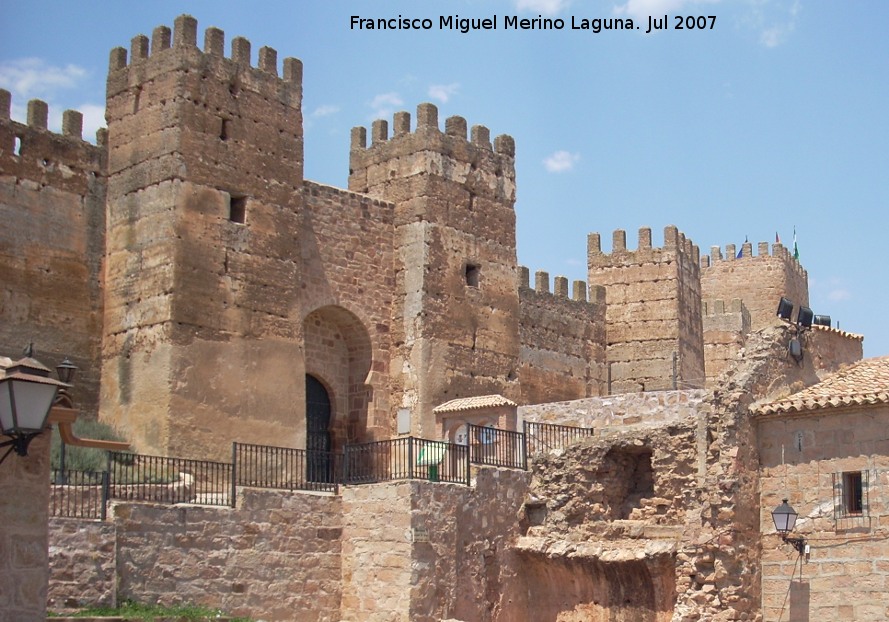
(828, 329)
(473, 403)
(860, 384)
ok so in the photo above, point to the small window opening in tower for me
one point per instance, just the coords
(223, 132)
(17, 147)
(237, 209)
(472, 274)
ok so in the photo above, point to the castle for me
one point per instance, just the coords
(210, 294)
(198, 279)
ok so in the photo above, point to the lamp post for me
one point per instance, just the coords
(26, 395)
(784, 517)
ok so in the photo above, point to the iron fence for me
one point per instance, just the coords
(283, 468)
(496, 447)
(548, 436)
(405, 458)
(78, 494)
(135, 477)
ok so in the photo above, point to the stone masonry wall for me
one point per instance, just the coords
(52, 206)
(726, 325)
(275, 557)
(348, 258)
(562, 340)
(803, 458)
(464, 569)
(24, 503)
(82, 564)
(653, 310)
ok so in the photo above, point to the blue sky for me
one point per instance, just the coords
(776, 118)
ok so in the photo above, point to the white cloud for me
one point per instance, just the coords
(546, 7)
(33, 77)
(775, 20)
(561, 161)
(443, 92)
(325, 110)
(641, 9)
(384, 104)
(836, 295)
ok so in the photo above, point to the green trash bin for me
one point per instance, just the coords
(433, 472)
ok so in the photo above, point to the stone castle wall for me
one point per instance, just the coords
(52, 205)
(562, 340)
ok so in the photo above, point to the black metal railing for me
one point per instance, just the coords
(549, 436)
(405, 458)
(78, 494)
(283, 468)
(496, 447)
(135, 477)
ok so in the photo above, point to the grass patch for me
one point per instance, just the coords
(147, 613)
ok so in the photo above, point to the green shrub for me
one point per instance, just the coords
(84, 458)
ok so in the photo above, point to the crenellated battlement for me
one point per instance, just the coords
(777, 251)
(560, 287)
(488, 167)
(675, 245)
(178, 49)
(31, 150)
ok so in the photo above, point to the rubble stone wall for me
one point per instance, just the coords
(82, 563)
(726, 325)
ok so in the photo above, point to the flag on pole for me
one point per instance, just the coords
(777, 239)
(795, 247)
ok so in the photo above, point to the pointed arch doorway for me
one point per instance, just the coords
(319, 464)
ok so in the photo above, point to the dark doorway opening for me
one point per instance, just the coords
(319, 467)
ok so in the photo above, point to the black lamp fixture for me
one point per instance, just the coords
(785, 517)
(804, 317)
(785, 309)
(822, 320)
(27, 394)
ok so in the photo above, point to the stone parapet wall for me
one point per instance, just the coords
(648, 409)
(726, 325)
(83, 568)
(275, 557)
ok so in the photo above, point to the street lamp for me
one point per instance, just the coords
(785, 517)
(26, 395)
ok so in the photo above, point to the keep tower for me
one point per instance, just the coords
(456, 306)
(205, 167)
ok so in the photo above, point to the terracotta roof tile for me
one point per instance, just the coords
(473, 403)
(861, 384)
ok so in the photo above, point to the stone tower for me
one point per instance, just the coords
(653, 314)
(455, 324)
(759, 281)
(205, 171)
